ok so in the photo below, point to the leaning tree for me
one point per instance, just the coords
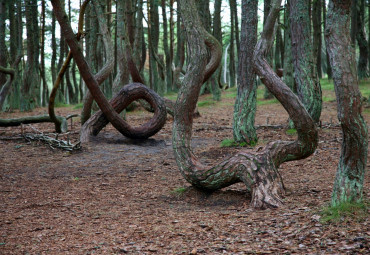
(258, 170)
(348, 184)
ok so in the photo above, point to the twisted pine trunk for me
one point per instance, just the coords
(257, 171)
(348, 184)
(86, 73)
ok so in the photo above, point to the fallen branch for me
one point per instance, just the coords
(33, 119)
(54, 143)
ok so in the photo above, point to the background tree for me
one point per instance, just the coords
(31, 80)
(305, 74)
(348, 184)
(246, 101)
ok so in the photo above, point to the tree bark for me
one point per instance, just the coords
(106, 70)
(246, 100)
(328, 67)
(317, 41)
(363, 71)
(305, 74)
(257, 171)
(127, 95)
(348, 184)
(3, 48)
(168, 56)
(288, 58)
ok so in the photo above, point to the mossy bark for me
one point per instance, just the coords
(348, 184)
(245, 104)
(305, 74)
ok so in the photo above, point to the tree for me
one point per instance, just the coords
(107, 109)
(31, 80)
(362, 66)
(245, 104)
(288, 57)
(305, 74)
(258, 171)
(348, 184)
(328, 67)
(317, 41)
(3, 48)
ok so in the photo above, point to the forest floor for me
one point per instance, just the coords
(119, 196)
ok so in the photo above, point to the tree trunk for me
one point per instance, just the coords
(266, 11)
(305, 74)
(45, 90)
(126, 96)
(348, 184)
(88, 77)
(53, 49)
(317, 41)
(168, 63)
(153, 43)
(105, 71)
(328, 67)
(257, 171)
(245, 104)
(31, 81)
(3, 48)
(288, 57)
(232, 58)
(362, 66)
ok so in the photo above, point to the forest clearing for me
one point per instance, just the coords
(184, 127)
(121, 196)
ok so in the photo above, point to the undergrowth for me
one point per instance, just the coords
(344, 212)
(233, 143)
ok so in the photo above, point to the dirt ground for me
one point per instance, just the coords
(119, 196)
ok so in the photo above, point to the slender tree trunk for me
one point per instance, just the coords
(288, 57)
(266, 11)
(172, 41)
(245, 104)
(168, 65)
(305, 74)
(105, 70)
(328, 67)
(232, 58)
(31, 81)
(317, 41)
(3, 48)
(139, 47)
(348, 184)
(217, 33)
(153, 43)
(53, 49)
(45, 91)
(362, 66)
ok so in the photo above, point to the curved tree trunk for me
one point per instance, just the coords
(246, 100)
(348, 184)
(257, 171)
(4, 90)
(308, 84)
(126, 96)
(85, 71)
